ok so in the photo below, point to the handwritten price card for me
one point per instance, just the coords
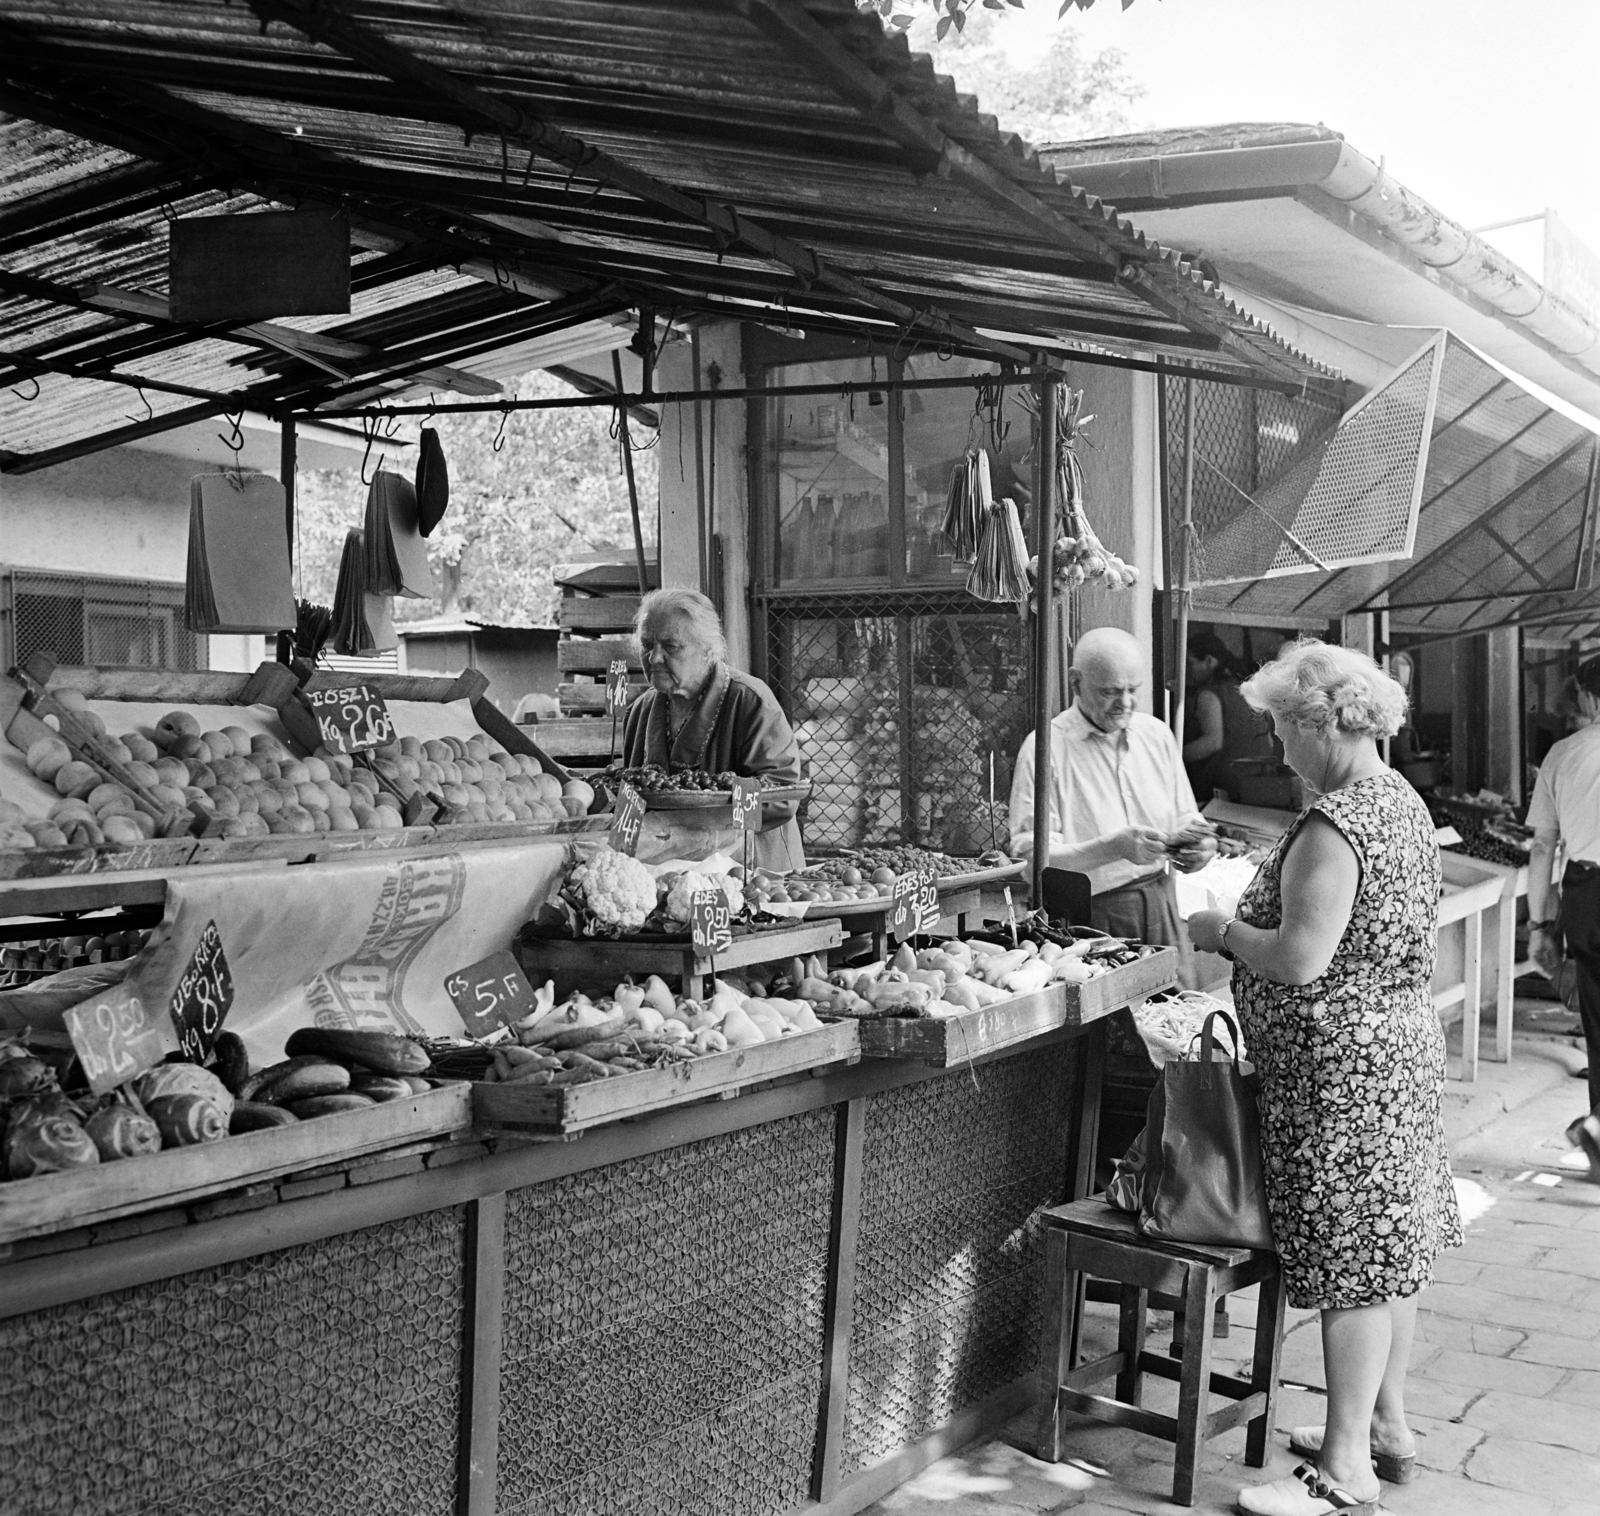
(616, 685)
(491, 993)
(747, 804)
(627, 816)
(913, 905)
(351, 720)
(203, 997)
(710, 924)
(116, 1038)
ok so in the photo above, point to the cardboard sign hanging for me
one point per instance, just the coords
(203, 997)
(913, 905)
(491, 993)
(116, 1038)
(351, 720)
(627, 816)
(710, 923)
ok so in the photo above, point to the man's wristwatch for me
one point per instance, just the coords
(1222, 938)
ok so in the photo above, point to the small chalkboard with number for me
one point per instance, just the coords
(351, 720)
(710, 923)
(616, 685)
(203, 997)
(491, 993)
(116, 1037)
(747, 804)
(913, 905)
(627, 816)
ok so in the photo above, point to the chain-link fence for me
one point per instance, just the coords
(904, 704)
(113, 623)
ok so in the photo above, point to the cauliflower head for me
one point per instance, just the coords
(617, 891)
(685, 886)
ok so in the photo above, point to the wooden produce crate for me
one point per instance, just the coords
(177, 1176)
(598, 963)
(575, 1108)
(948, 1041)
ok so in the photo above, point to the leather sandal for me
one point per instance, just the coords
(1392, 1468)
(1304, 1493)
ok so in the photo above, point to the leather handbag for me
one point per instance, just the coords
(1202, 1175)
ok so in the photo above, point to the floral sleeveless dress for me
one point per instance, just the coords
(1352, 1068)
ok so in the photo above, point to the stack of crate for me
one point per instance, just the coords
(598, 602)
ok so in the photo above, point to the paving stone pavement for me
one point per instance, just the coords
(1504, 1390)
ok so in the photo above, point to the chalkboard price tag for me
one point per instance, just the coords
(116, 1038)
(710, 924)
(913, 905)
(351, 720)
(491, 993)
(747, 804)
(203, 997)
(627, 816)
(617, 685)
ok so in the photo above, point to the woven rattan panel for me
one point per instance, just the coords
(949, 1263)
(317, 1379)
(663, 1329)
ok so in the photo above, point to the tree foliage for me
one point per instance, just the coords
(1066, 90)
(953, 14)
(554, 489)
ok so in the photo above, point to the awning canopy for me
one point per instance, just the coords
(515, 174)
(1454, 497)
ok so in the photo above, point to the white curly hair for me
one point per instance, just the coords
(1322, 688)
(695, 609)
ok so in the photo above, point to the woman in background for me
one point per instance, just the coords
(1333, 946)
(1223, 726)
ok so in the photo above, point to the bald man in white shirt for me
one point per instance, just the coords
(1118, 795)
(1565, 810)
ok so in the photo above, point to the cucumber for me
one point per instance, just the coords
(252, 1116)
(316, 1076)
(380, 1087)
(382, 1052)
(330, 1105)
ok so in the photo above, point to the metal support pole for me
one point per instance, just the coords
(702, 548)
(286, 475)
(1180, 658)
(1046, 507)
(625, 437)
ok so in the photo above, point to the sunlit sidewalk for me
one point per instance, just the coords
(1505, 1379)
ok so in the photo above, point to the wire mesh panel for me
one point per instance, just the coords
(318, 1379)
(900, 703)
(949, 1265)
(1332, 495)
(111, 623)
(663, 1329)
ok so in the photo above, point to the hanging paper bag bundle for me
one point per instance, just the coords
(1202, 1177)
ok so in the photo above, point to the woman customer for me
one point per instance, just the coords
(1333, 946)
(700, 713)
(1222, 727)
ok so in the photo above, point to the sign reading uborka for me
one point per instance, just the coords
(204, 995)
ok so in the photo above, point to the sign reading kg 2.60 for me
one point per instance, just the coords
(351, 720)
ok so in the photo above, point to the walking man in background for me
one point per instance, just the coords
(1565, 810)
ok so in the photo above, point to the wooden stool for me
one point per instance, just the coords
(1089, 1237)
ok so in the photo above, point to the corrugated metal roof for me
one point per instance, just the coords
(512, 171)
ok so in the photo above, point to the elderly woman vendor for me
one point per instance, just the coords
(699, 713)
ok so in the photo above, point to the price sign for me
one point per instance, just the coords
(747, 804)
(617, 685)
(913, 905)
(116, 1038)
(351, 720)
(710, 925)
(203, 997)
(627, 816)
(491, 993)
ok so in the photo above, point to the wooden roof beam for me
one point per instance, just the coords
(327, 23)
